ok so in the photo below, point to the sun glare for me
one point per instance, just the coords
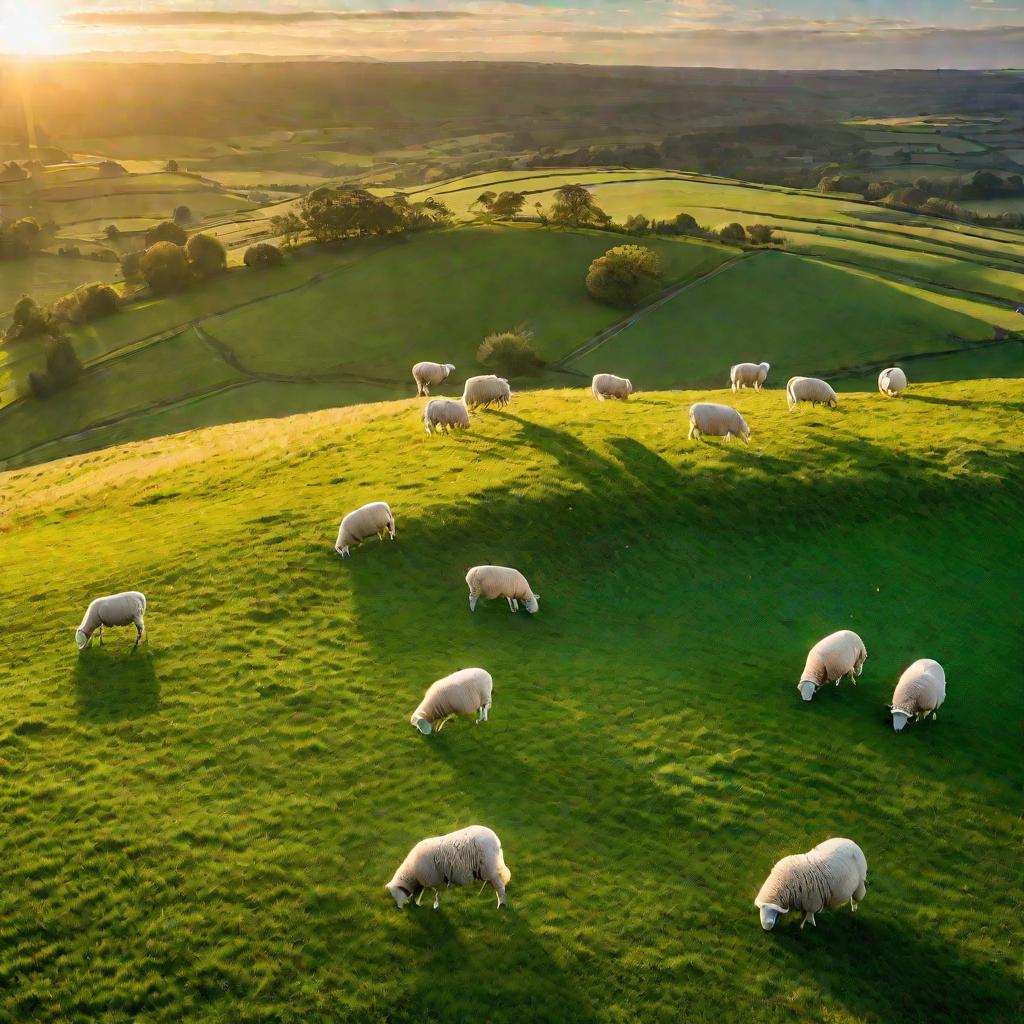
(29, 28)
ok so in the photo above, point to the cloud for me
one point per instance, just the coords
(255, 18)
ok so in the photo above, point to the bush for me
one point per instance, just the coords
(131, 265)
(181, 215)
(87, 303)
(732, 233)
(263, 254)
(165, 267)
(206, 255)
(624, 276)
(28, 319)
(509, 352)
(166, 231)
(63, 368)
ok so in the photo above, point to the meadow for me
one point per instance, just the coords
(202, 829)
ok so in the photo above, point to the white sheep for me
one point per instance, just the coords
(458, 858)
(113, 610)
(493, 581)
(892, 381)
(425, 374)
(461, 693)
(486, 390)
(607, 385)
(373, 519)
(444, 415)
(810, 389)
(833, 873)
(717, 421)
(839, 654)
(919, 693)
(748, 375)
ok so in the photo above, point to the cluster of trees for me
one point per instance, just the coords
(263, 255)
(330, 214)
(752, 234)
(510, 353)
(12, 171)
(85, 304)
(169, 266)
(500, 205)
(62, 369)
(19, 238)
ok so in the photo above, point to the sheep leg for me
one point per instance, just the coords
(139, 630)
(809, 916)
(472, 602)
(693, 431)
(437, 900)
(419, 898)
(101, 636)
(499, 888)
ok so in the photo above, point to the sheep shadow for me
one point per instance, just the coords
(964, 403)
(895, 972)
(112, 684)
(509, 978)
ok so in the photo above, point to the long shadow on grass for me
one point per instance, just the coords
(458, 980)
(892, 971)
(965, 403)
(113, 683)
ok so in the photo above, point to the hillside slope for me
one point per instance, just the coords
(202, 830)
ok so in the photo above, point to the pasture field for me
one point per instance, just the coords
(202, 830)
(47, 277)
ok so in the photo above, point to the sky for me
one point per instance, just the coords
(721, 33)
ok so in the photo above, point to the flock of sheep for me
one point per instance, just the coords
(832, 874)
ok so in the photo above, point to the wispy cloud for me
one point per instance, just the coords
(256, 18)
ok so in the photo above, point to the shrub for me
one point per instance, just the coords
(206, 255)
(732, 233)
(63, 368)
(181, 215)
(509, 352)
(624, 276)
(263, 254)
(131, 265)
(28, 319)
(166, 231)
(87, 303)
(165, 267)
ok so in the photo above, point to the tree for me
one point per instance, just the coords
(681, 224)
(110, 169)
(166, 231)
(509, 352)
(485, 199)
(28, 319)
(181, 215)
(575, 206)
(112, 231)
(624, 276)
(263, 254)
(206, 255)
(131, 265)
(63, 368)
(762, 234)
(330, 214)
(637, 224)
(87, 303)
(732, 232)
(164, 267)
(289, 226)
(508, 205)
(172, 167)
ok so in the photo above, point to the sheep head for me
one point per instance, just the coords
(421, 723)
(770, 913)
(807, 688)
(401, 896)
(531, 604)
(899, 719)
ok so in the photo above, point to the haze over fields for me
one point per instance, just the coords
(725, 305)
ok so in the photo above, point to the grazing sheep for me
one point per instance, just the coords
(810, 389)
(491, 581)
(458, 858)
(717, 421)
(826, 877)
(607, 385)
(444, 415)
(374, 519)
(113, 610)
(919, 693)
(486, 390)
(749, 375)
(461, 693)
(426, 374)
(892, 381)
(839, 654)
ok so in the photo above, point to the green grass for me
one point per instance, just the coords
(202, 830)
(438, 295)
(847, 319)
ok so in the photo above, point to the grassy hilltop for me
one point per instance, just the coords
(202, 830)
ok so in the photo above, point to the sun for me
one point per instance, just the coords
(29, 27)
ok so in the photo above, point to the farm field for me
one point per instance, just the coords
(202, 830)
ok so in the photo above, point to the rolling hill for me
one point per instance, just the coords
(203, 829)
